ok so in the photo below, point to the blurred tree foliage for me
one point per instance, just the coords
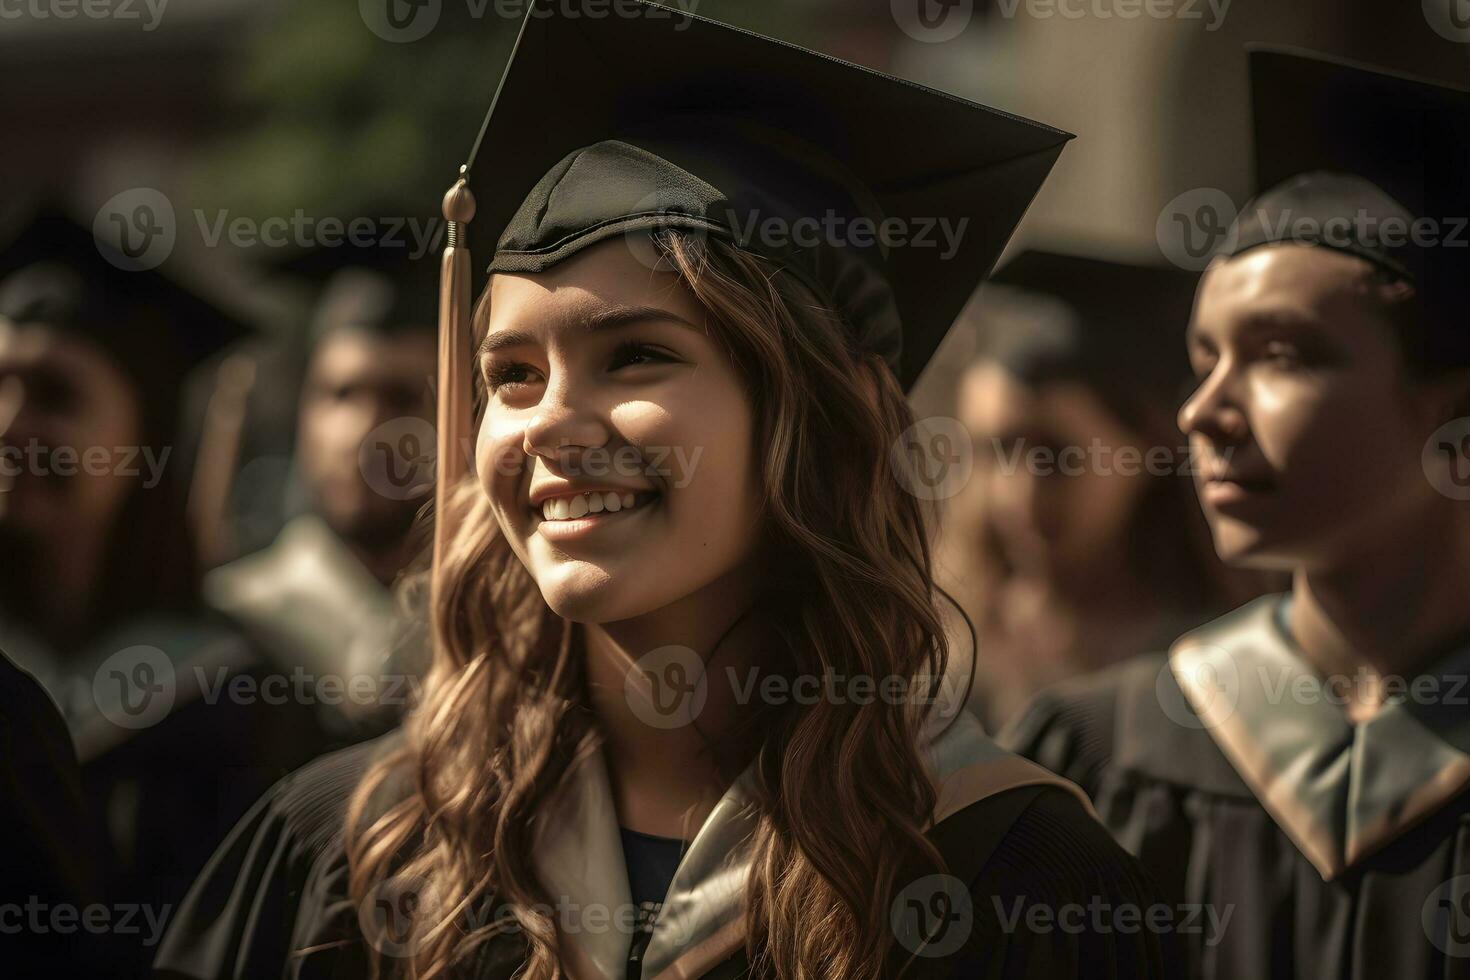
(334, 120)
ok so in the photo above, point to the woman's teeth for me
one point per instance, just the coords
(595, 502)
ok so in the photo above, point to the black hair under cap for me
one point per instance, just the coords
(1114, 326)
(651, 117)
(382, 288)
(1351, 159)
(1117, 323)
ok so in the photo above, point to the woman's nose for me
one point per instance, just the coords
(564, 421)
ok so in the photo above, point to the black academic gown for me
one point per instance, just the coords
(46, 863)
(166, 772)
(273, 902)
(1357, 866)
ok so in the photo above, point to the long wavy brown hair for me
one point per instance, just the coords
(842, 791)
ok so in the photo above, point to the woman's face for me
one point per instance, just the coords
(64, 406)
(1056, 505)
(617, 442)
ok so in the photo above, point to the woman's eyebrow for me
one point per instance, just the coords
(610, 318)
(501, 339)
(613, 317)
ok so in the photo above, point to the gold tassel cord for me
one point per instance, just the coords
(454, 376)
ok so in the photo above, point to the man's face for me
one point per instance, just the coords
(1305, 427)
(358, 381)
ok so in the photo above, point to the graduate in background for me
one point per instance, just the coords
(1302, 765)
(1078, 542)
(564, 801)
(99, 587)
(320, 597)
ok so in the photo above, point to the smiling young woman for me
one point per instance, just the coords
(691, 718)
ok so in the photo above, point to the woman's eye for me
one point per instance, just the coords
(498, 376)
(633, 353)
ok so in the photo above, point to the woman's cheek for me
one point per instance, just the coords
(499, 451)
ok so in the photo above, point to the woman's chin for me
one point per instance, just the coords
(590, 595)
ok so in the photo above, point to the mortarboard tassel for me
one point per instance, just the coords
(454, 376)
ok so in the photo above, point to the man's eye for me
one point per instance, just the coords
(1282, 353)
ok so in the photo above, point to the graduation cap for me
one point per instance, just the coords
(1368, 163)
(55, 273)
(1116, 326)
(649, 117)
(385, 288)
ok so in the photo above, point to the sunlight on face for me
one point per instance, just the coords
(617, 443)
(1306, 429)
